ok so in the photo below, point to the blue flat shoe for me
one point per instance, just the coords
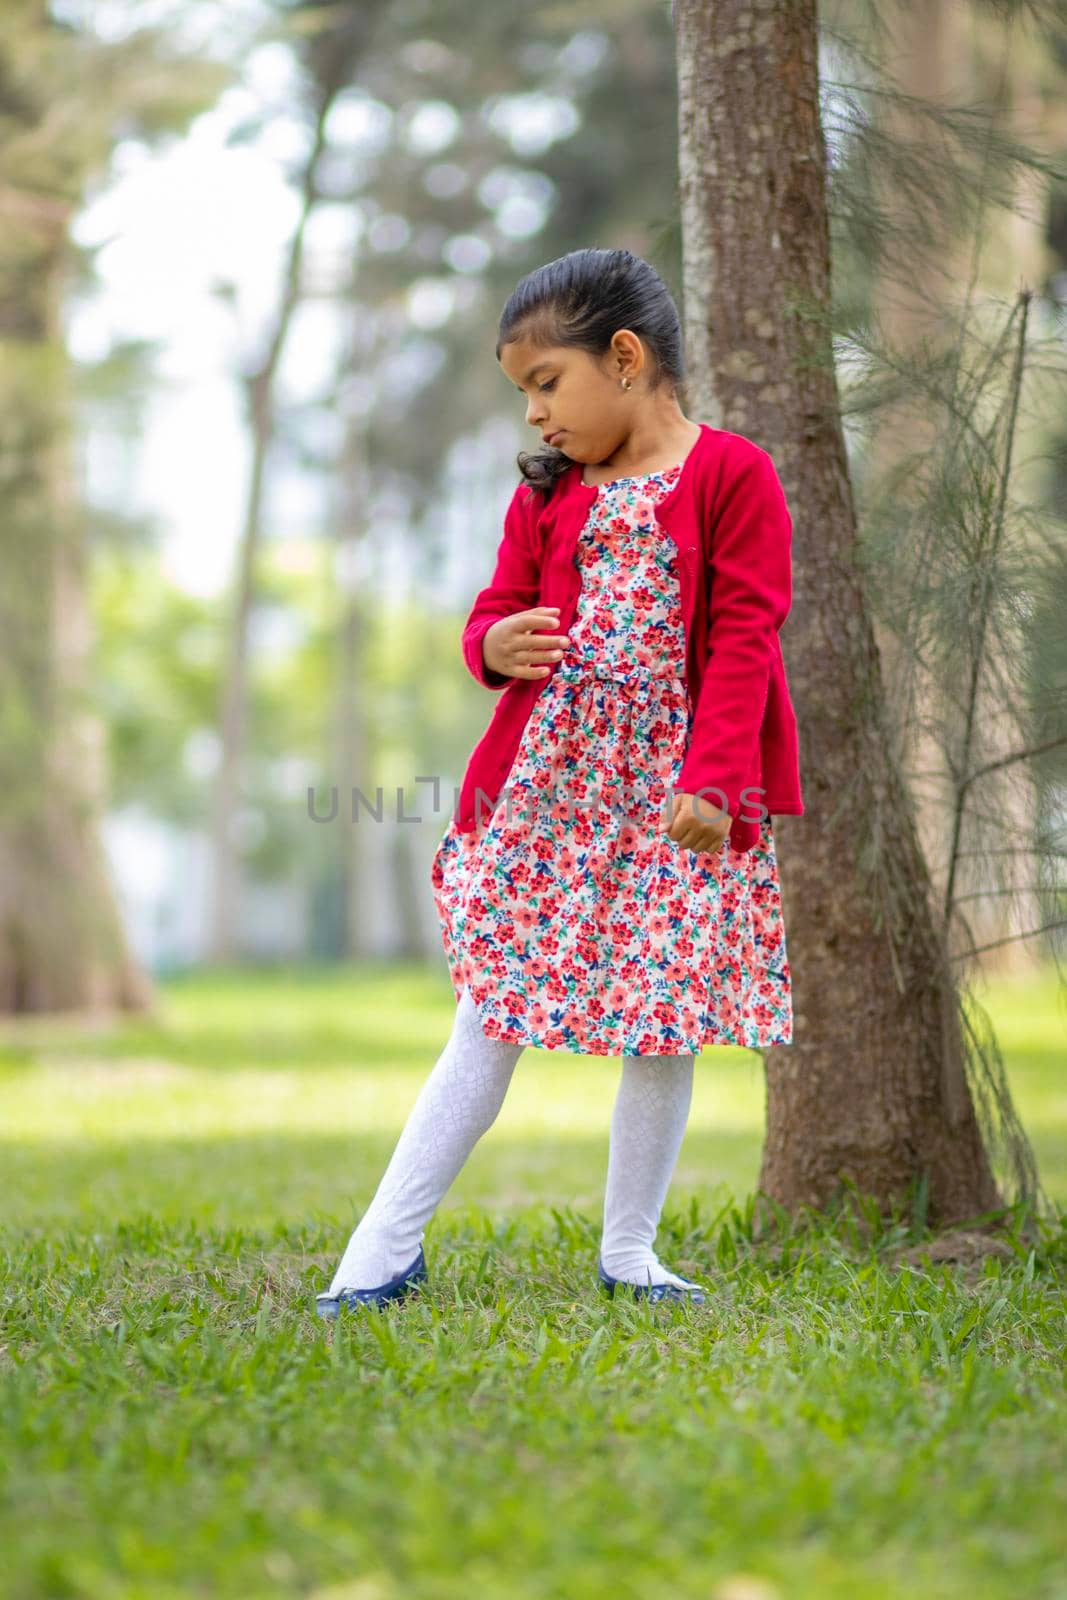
(329, 1305)
(651, 1291)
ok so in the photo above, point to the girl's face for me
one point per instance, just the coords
(575, 401)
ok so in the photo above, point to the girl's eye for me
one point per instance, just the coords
(545, 387)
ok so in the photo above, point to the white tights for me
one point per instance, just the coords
(460, 1101)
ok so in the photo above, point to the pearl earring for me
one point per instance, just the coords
(625, 382)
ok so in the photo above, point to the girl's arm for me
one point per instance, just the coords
(751, 592)
(515, 585)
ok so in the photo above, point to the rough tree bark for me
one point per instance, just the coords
(874, 1087)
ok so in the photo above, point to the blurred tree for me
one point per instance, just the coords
(452, 145)
(66, 97)
(943, 55)
(337, 37)
(552, 125)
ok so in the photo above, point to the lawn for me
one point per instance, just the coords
(846, 1418)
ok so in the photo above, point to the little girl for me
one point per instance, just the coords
(609, 884)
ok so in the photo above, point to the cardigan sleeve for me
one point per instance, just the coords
(514, 586)
(750, 596)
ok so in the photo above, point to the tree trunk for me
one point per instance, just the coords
(222, 936)
(358, 837)
(62, 943)
(874, 1087)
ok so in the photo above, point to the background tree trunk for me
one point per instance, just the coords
(356, 840)
(62, 943)
(224, 907)
(874, 1088)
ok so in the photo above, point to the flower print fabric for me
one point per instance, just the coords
(575, 923)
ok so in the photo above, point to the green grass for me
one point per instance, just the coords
(847, 1417)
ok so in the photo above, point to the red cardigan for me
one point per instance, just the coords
(728, 516)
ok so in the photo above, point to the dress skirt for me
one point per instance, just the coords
(575, 922)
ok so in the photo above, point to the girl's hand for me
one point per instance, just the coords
(696, 823)
(513, 647)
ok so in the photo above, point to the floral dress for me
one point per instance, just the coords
(575, 923)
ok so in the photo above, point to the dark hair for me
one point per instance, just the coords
(582, 299)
